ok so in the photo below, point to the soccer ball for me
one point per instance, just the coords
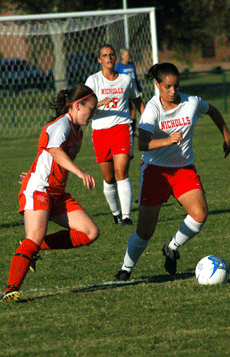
(212, 270)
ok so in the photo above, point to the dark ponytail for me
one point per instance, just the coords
(65, 97)
(158, 71)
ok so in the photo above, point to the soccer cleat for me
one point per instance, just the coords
(122, 275)
(117, 219)
(126, 222)
(12, 295)
(33, 261)
(171, 257)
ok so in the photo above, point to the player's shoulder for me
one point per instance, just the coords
(94, 76)
(154, 102)
(125, 78)
(118, 66)
(62, 123)
(153, 107)
(131, 64)
(190, 99)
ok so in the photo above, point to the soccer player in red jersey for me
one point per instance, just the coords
(42, 197)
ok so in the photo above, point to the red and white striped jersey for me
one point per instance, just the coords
(45, 174)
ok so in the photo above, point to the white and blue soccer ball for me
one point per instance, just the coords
(212, 270)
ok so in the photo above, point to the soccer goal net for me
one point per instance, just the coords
(42, 54)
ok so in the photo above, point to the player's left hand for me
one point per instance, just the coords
(226, 149)
(22, 176)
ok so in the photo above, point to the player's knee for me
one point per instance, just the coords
(200, 215)
(110, 180)
(94, 234)
(121, 174)
(79, 239)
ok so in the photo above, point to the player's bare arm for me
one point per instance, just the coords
(139, 104)
(63, 160)
(146, 143)
(217, 118)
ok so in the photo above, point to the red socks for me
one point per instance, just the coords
(65, 240)
(21, 262)
(22, 258)
(79, 238)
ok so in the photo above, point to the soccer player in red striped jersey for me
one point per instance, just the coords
(42, 197)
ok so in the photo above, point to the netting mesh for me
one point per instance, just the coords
(40, 57)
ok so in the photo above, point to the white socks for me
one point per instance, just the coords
(123, 189)
(125, 193)
(188, 229)
(135, 248)
(110, 192)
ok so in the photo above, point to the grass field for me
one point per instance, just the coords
(72, 307)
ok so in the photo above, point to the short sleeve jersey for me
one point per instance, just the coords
(119, 90)
(162, 124)
(46, 174)
(130, 70)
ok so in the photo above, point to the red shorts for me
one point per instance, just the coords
(113, 141)
(158, 183)
(56, 204)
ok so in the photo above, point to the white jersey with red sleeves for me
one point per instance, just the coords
(119, 90)
(45, 174)
(162, 124)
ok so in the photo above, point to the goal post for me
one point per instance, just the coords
(41, 54)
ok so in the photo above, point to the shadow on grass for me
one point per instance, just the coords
(10, 225)
(157, 279)
(136, 209)
(221, 211)
(211, 213)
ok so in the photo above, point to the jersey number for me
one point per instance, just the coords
(114, 105)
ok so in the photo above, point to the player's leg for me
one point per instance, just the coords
(110, 189)
(188, 190)
(139, 240)
(195, 205)
(124, 186)
(81, 230)
(102, 142)
(35, 226)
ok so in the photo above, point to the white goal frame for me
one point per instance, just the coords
(22, 124)
(150, 10)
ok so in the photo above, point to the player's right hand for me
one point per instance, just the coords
(105, 101)
(176, 138)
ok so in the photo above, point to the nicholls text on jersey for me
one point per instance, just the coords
(112, 91)
(173, 123)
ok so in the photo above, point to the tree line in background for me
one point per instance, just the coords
(182, 25)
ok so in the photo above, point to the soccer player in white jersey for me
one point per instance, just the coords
(112, 132)
(42, 197)
(165, 139)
